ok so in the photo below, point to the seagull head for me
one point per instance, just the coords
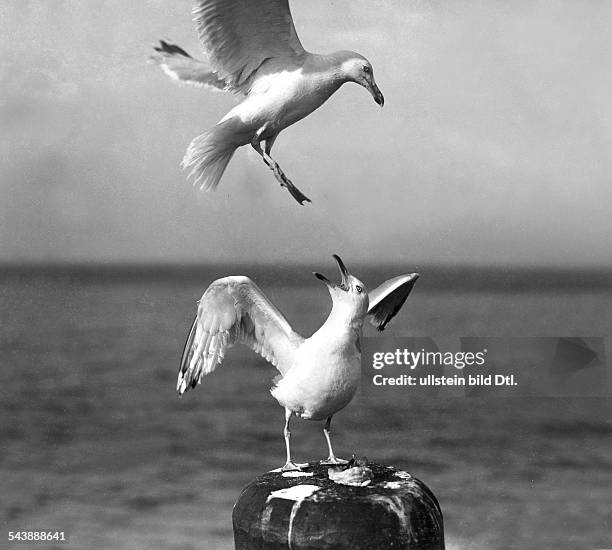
(357, 68)
(349, 296)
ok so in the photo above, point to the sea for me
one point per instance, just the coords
(96, 443)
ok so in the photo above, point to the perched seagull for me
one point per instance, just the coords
(318, 375)
(253, 50)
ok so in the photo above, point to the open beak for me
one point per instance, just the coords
(343, 273)
(376, 94)
(323, 278)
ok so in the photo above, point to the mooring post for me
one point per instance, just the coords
(387, 508)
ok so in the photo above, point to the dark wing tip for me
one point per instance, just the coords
(170, 49)
(186, 355)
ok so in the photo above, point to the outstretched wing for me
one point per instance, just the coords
(180, 66)
(239, 35)
(234, 310)
(387, 299)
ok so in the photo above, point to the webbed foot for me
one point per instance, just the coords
(288, 184)
(332, 460)
(291, 467)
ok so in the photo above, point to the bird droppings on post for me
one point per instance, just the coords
(355, 473)
(395, 506)
(395, 510)
(297, 474)
(296, 493)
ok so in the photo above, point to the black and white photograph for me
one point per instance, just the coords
(306, 274)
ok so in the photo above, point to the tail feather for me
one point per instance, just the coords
(209, 154)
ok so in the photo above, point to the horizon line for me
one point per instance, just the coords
(142, 264)
(434, 277)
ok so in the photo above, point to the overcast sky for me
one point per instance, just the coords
(494, 146)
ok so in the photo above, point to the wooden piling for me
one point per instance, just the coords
(309, 511)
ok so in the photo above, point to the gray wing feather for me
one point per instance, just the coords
(240, 35)
(234, 310)
(387, 299)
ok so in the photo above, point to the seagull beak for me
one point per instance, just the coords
(344, 284)
(343, 271)
(324, 279)
(376, 94)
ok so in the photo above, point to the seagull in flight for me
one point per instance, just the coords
(318, 375)
(253, 50)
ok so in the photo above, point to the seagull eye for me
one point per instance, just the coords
(359, 289)
(367, 69)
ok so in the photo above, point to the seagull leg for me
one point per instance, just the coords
(331, 459)
(289, 465)
(276, 169)
(282, 178)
